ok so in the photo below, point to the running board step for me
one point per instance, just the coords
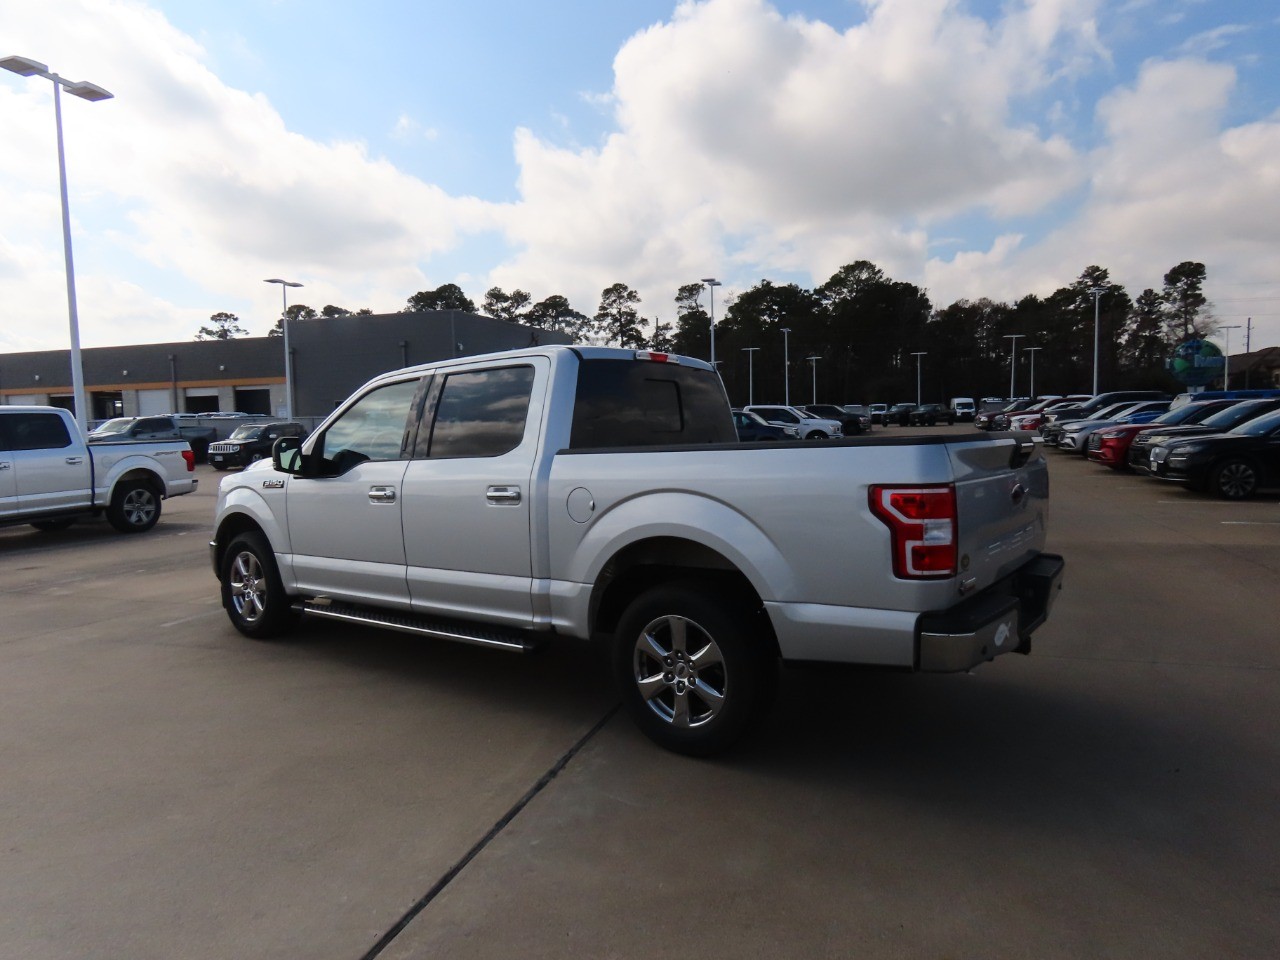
(482, 635)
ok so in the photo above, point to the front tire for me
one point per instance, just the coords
(252, 593)
(815, 435)
(135, 507)
(693, 667)
(1235, 480)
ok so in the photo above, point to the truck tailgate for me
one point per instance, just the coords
(1002, 493)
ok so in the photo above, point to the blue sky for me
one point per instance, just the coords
(371, 150)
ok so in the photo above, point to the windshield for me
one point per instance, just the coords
(1106, 413)
(1235, 415)
(1187, 413)
(1259, 426)
(245, 433)
(112, 427)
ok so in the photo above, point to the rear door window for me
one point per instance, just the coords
(36, 431)
(481, 413)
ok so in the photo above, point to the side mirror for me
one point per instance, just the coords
(286, 455)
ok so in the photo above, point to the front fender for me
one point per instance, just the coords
(243, 505)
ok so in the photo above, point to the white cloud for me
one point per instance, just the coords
(1171, 183)
(215, 188)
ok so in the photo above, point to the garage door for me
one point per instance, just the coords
(153, 403)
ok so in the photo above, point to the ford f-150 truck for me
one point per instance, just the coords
(49, 475)
(601, 494)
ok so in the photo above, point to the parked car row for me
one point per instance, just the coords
(1226, 446)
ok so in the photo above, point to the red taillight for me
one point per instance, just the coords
(190, 457)
(922, 521)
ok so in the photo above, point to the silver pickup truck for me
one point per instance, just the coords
(50, 476)
(599, 493)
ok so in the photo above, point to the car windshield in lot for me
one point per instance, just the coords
(1235, 415)
(246, 432)
(1258, 426)
(113, 427)
(1187, 413)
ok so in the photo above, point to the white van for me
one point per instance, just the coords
(963, 407)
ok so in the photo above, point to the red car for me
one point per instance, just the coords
(1110, 445)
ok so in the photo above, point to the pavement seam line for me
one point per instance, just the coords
(439, 886)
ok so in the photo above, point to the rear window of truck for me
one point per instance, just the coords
(629, 403)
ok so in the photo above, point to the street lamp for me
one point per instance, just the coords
(813, 362)
(1226, 355)
(751, 373)
(25, 67)
(1032, 351)
(918, 354)
(786, 367)
(1096, 293)
(288, 357)
(1013, 358)
(712, 283)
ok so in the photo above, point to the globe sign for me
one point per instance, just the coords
(1195, 363)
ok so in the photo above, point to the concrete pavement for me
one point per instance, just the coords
(172, 789)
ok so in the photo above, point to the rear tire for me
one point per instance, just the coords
(693, 666)
(135, 507)
(252, 593)
(1234, 480)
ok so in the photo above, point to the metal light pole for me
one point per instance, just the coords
(1226, 355)
(813, 362)
(1097, 293)
(786, 367)
(1013, 358)
(712, 283)
(26, 67)
(1032, 351)
(918, 355)
(751, 373)
(288, 356)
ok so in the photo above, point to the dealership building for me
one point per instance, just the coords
(331, 357)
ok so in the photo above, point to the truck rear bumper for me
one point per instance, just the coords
(998, 620)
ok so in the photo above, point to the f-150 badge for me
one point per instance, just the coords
(272, 484)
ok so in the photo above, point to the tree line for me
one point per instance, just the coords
(871, 335)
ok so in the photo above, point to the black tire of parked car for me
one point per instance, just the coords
(135, 506)
(1234, 479)
(815, 435)
(252, 593)
(695, 673)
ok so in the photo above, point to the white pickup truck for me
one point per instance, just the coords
(598, 493)
(49, 475)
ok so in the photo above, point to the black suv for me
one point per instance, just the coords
(251, 442)
(850, 423)
(931, 414)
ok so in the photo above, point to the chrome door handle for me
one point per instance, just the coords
(74, 460)
(503, 495)
(382, 494)
(4, 464)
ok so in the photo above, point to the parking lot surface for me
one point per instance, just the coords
(172, 789)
